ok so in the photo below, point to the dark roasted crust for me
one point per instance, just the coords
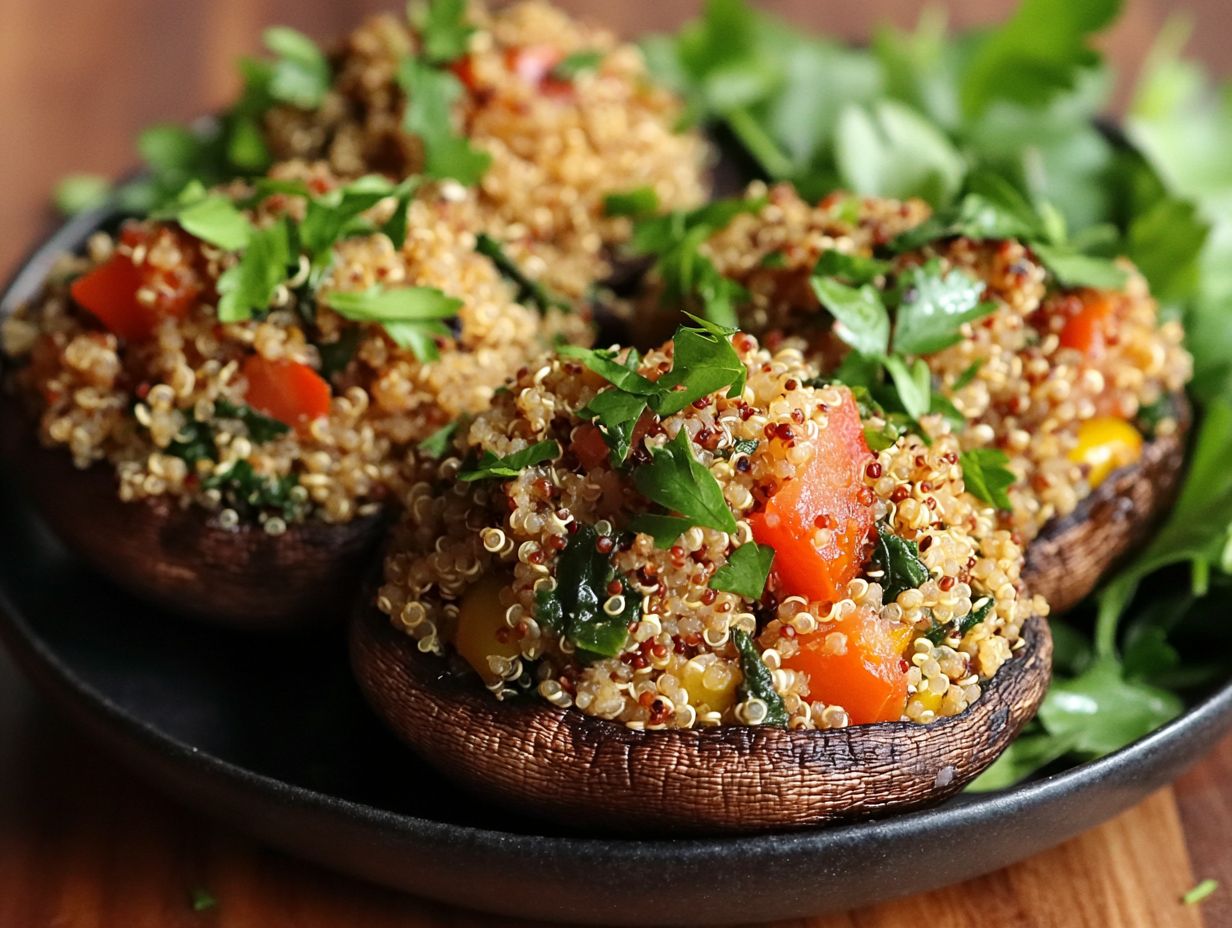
(175, 557)
(1068, 558)
(572, 768)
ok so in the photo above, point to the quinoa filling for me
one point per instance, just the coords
(701, 537)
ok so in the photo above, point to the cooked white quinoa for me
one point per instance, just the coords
(1048, 406)
(558, 147)
(128, 402)
(466, 563)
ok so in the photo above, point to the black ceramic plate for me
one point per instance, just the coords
(271, 736)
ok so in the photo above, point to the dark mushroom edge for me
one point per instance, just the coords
(587, 772)
(178, 558)
(1066, 561)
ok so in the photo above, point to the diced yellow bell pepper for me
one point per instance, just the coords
(480, 620)
(711, 682)
(1105, 444)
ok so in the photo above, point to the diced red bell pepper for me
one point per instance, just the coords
(829, 491)
(865, 674)
(110, 292)
(1089, 328)
(288, 391)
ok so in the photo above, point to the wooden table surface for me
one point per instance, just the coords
(83, 845)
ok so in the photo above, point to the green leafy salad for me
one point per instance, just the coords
(1014, 115)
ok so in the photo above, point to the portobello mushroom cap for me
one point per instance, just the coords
(583, 771)
(1066, 561)
(178, 558)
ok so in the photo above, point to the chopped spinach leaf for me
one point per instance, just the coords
(202, 900)
(745, 572)
(758, 681)
(193, 443)
(249, 493)
(899, 561)
(987, 475)
(336, 356)
(977, 615)
(575, 607)
(676, 481)
(261, 428)
(745, 446)
(489, 466)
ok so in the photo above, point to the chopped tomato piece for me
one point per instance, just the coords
(464, 70)
(130, 298)
(590, 446)
(857, 663)
(288, 391)
(1089, 328)
(828, 494)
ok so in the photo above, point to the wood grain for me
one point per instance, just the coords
(84, 846)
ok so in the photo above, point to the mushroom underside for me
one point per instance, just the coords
(178, 558)
(1066, 561)
(582, 771)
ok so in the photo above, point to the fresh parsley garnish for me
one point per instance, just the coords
(745, 572)
(301, 73)
(688, 275)
(899, 561)
(529, 290)
(665, 530)
(411, 316)
(211, 217)
(636, 204)
(247, 288)
(248, 492)
(758, 681)
(443, 30)
(436, 444)
(431, 93)
(78, 193)
(987, 476)
(575, 607)
(676, 481)
(571, 66)
(932, 307)
(193, 443)
(489, 466)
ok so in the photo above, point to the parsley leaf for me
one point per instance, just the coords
(1078, 270)
(703, 362)
(431, 94)
(987, 476)
(933, 307)
(758, 681)
(248, 492)
(301, 72)
(638, 203)
(529, 290)
(676, 481)
(247, 288)
(192, 443)
(571, 66)
(603, 362)
(861, 316)
(854, 269)
(575, 606)
(913, 383)
(440, 441)
(211, 217)
(745, 572)
(411, 315)
(78, 193)
(665, 530)
(444, 31)
(616, 413)
(489, 466)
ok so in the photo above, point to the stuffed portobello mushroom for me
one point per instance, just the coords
(214, 405)
(542, 113)
(681, 591)
(1064, 384)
